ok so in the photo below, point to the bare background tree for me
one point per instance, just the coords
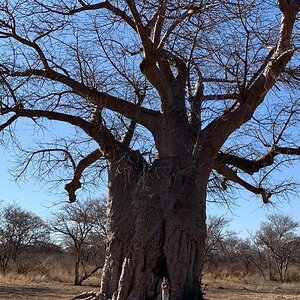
(216, 227)
(19, 230)
(82, 226)
(273, 250)
(174, 99)
(278, 239)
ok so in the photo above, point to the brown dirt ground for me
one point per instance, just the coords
(41, 291)
(215, 290)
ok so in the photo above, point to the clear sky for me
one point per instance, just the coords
(28, 195)
(249, 210)
(245, 216)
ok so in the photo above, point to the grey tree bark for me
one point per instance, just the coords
(155, 230)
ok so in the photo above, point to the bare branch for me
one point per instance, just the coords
(75, 184)
(158, 19)
(140, 28)
(244, 108)
(231, 175)
(174, 25)
(8, 122)
(143, 116)
(248, 166)
(91, 7)
(42, 151)
(253, 166)
(286, 150)
(216, 97)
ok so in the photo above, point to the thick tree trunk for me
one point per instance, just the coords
(156, 230)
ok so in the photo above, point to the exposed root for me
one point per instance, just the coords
(92, 295)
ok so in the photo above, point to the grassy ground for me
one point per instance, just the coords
(16, 288)
(250, 288)
(41, 291)
(29, 288)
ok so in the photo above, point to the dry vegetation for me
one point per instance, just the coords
(235, 268)
(249, 287)
(44, 277)
(43, 283)
(217, 287)
(26, 289)
(50, 277)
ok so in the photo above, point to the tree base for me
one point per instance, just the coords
(92, 295)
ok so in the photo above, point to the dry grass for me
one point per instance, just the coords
(44, 279)
(225, 286)
(47, 269)
(254, 288)
(17, 287)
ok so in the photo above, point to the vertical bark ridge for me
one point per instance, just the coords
(157, 226)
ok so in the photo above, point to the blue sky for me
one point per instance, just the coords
(29, 195)
(249, 210)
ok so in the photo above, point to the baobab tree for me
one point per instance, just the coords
(174, 99)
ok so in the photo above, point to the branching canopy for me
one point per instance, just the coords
(108, 68)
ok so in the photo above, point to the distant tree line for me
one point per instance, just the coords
(273, 251)
(20, 231)
(78, 231)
